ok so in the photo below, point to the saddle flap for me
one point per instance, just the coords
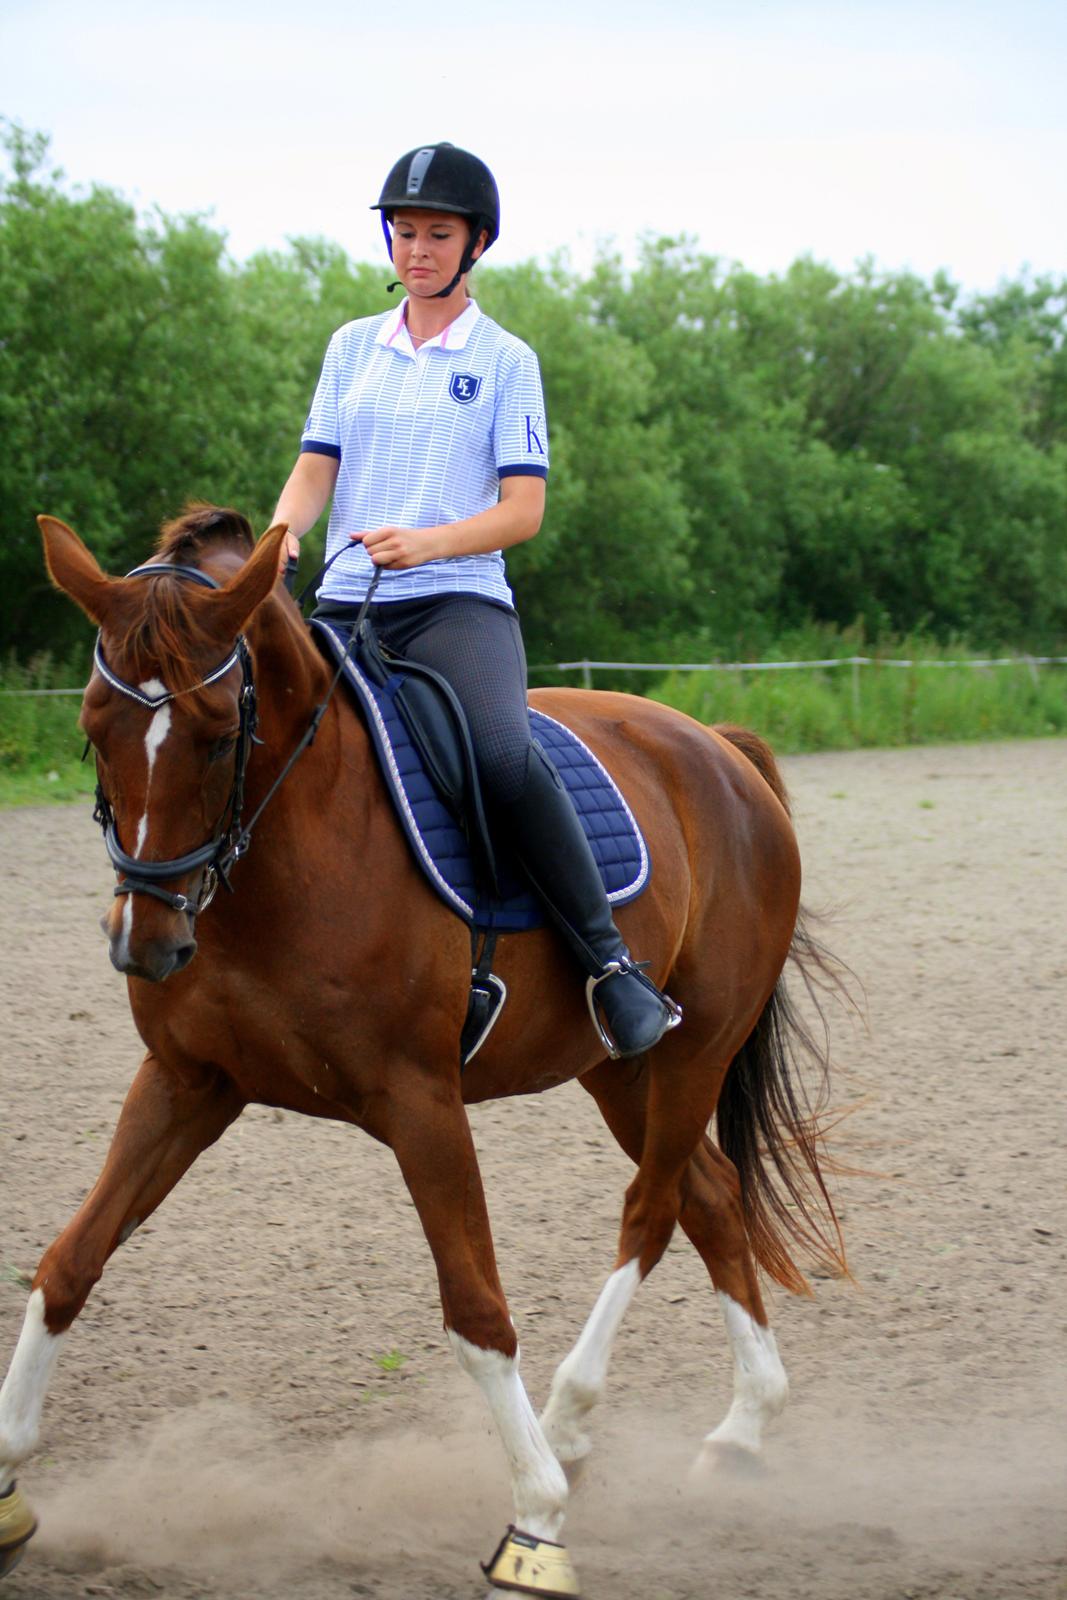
(428, 719)
(437, 727)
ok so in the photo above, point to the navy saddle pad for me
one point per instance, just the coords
(436, 838)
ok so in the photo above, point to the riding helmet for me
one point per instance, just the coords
(440, 177)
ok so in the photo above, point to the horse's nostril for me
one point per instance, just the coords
(183, 955)
(154, 964)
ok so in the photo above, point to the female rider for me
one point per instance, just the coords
(428, 431)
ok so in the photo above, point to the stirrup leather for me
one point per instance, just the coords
(673, 1009)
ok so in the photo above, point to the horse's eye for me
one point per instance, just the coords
(222, 747)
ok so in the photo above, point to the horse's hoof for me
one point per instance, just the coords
(722, 1457)
(529, 1565)
(17, 1527)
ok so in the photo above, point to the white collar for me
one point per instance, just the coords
(394, 332)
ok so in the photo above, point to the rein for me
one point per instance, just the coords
(231, 838)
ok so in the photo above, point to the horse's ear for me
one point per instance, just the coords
(74, 569)
(231, 608)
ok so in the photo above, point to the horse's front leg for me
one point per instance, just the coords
(168, 1118)
(430, 1135)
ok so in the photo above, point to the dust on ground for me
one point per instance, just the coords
(259, 1398)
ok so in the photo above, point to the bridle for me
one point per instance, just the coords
(230, 840)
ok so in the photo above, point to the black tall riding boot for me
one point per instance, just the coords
(544, 830)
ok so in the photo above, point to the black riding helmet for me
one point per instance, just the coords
(441, 177)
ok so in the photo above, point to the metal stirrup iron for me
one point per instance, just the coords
(672, 1008)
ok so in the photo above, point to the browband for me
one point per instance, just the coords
(160, 569)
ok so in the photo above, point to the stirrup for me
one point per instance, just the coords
(673, 1009)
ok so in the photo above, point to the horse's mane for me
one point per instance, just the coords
(165, 630)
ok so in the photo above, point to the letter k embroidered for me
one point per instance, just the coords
(533, 438)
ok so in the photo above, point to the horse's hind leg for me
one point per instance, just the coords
(710, 1213)
(712, 1219)
(658, 1117)
(167, 1120)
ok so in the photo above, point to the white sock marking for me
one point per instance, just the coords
(538, 1483)
(22, 1395)
(581, 1375)
(761, 1387)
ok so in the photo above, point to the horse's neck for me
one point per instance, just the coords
(292, 680)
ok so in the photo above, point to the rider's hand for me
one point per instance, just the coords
(288, 550)
(399, 547)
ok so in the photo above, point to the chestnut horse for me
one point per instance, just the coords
(279, 994)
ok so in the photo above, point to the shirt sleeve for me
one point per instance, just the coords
(520, 429)
(322, 432)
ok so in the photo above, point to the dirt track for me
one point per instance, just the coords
(259, 1398)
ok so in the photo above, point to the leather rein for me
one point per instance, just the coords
(231, 838)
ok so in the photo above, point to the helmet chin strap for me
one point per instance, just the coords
(465, 265)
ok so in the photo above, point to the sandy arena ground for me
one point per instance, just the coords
(259, 1400)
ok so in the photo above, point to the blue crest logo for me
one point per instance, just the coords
(464, 388)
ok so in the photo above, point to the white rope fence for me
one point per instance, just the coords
(587, 668)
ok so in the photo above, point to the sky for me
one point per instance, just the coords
(924, 135)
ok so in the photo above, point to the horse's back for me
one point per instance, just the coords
(645, 744)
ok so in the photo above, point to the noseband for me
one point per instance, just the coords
(230, 840)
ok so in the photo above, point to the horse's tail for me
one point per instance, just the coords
(768, 1121)
(759, 752)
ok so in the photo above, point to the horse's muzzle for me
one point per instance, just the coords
(154, 960)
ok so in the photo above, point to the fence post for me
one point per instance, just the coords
(855, 691)
(587, 675)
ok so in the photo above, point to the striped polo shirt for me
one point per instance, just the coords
(423, 437)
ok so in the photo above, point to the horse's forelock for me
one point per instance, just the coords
(159, 634)
(199, 527)
(158, 628)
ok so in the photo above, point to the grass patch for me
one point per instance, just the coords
(40, 742)
(835, 708)
(846, 708)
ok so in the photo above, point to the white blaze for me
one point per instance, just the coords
(158, 728)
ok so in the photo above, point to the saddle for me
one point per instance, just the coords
(419, 733)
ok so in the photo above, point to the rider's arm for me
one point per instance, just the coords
(516, 517)
(305, 496)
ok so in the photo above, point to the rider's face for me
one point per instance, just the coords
(427, 249)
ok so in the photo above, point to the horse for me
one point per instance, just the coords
(276, 994)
